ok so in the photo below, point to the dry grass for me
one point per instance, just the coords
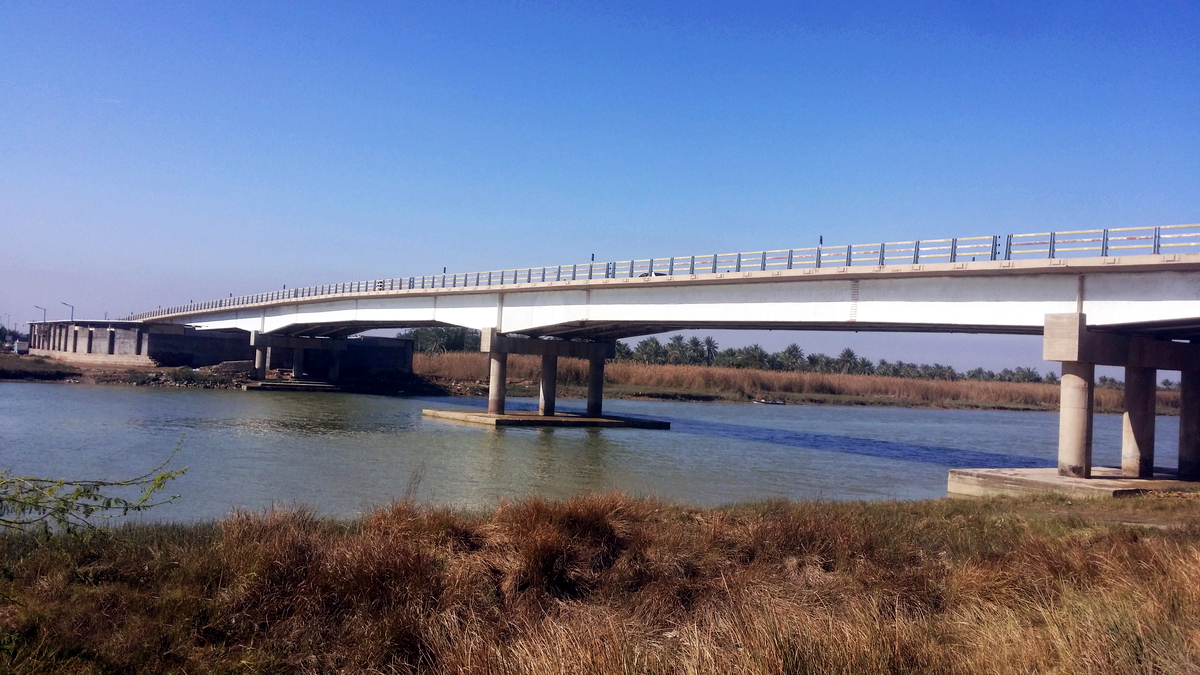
(741, 384)
(611, 584)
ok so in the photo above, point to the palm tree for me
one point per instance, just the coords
(695, 351)
(753, 356)
(710, 350)
(650, 351)
(676, 350)
(792, 357)
(846, 360)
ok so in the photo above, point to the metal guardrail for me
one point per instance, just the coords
(1074, 243)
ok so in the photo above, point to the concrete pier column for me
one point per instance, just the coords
(1075, 419)
(335, 366)
(297, 363)
(260, 357)
(549, 388)
(497, 381)
(260, 363)
(1137, 424)
(1189, 425)
(595, 392)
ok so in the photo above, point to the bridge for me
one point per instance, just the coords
(1126, 297)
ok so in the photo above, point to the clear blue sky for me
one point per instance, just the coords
(153, 153)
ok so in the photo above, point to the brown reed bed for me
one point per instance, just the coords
(631, 379)
(613, 584)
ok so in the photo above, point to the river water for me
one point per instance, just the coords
(342, 454)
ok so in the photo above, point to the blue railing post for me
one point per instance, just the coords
(818, 257)
(1008, 248)
(1104, 244)
(1157, 240)
(714, 263)
(849, 255)
(953, 249)
(738, 265)
(790, 252)
(1050, 247)
(917, 252)
(763, 266)
(995, 251)
(631, 263)
(881, 258)
(671, 267)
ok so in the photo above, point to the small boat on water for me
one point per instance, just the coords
(764, 401)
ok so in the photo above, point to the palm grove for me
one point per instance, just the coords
(696, 351)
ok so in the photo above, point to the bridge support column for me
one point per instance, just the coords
(297, 363)
(1137, 424)
(497, 381)
(335, 366)
(595, 392)
(1189, 424)
(549, 389)
(260, 357)
(1075, 419)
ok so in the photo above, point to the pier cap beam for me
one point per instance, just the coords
(287, 342)
(493, 342)
(1066, 337)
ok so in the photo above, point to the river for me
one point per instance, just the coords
(342, 454)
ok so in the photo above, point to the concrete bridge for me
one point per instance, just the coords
(1122, 297)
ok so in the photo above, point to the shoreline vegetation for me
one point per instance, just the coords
(611, 583)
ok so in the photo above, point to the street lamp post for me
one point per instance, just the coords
(43, 312)
(72, 309)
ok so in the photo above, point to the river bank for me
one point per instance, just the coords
(464, 374)
(609, 583)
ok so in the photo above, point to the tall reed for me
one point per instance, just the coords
(748, 383)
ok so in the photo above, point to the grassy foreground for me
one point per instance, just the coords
(626, 379)
(613, 584)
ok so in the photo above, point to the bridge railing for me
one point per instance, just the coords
(1065, 244)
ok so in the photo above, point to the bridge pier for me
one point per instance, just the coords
(265, 343)
(595, 392)
(1137, 424)
(499, 346)
(1189, 424)
(1066, 338)
(260, 357)
(548, 391)
(297, 363)
(497, 380)
(1075, 406)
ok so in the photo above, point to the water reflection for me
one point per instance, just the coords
(953, 458)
